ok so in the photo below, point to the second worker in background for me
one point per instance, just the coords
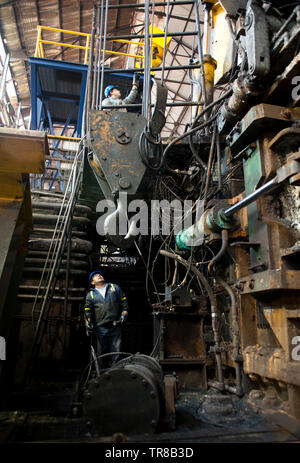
(113, 95)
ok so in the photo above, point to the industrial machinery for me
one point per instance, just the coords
(239, 158)
(135, 383)
(202, 228)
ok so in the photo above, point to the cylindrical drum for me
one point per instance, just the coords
(127, 398)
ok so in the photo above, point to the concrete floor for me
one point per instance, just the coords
(201, 417)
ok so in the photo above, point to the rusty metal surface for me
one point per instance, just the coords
(267, 268)
(114, 143)
(190, 375)
(182, 338)
(262, 116)
(286, 141)
(270, 280)
(22, 150)
(270, 362)
(168, 420)
(181, 347)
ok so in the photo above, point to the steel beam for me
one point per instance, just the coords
(142, 5)
(142, 36)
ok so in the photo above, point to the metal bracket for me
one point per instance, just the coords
(260, 116)
(122, 137)
(257, 40)
(290, 171)
(286, 141)
(158, 118)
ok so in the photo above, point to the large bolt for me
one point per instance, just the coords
(133, 375)
(251, 284)
(124, 183)
(240, 286)
(152, 395)
(286, 113)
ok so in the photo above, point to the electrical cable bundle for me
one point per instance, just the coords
(150, 150)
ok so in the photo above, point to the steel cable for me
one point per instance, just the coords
(165, 43)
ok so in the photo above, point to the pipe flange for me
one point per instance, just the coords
(217, 221)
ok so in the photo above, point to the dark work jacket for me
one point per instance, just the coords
(102, 311)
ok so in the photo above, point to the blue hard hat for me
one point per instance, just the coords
(94, 273)
(109, 89)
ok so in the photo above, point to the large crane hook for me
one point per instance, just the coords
(119, 220)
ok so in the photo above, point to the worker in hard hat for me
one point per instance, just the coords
(106, 308)
(113, 95)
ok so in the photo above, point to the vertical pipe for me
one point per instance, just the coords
(206, 29)
(18, 116)
(238, 389)
(175, 273)
(3, 77)
(151, 54)
(219, 162)
(33, 98)
(165, 44)
(215, 323)
(210, 161)
(96, 69)
(200, 52)
(91, 59)
(99, 55)
(235, 326)
(103, 53)
(146, 63)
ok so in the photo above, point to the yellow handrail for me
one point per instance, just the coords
(80, 47)
(65, 31)
(39, 50)
(60, 137)
(87, 47)
(157, 45)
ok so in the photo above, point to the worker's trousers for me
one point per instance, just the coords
(110, 341)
